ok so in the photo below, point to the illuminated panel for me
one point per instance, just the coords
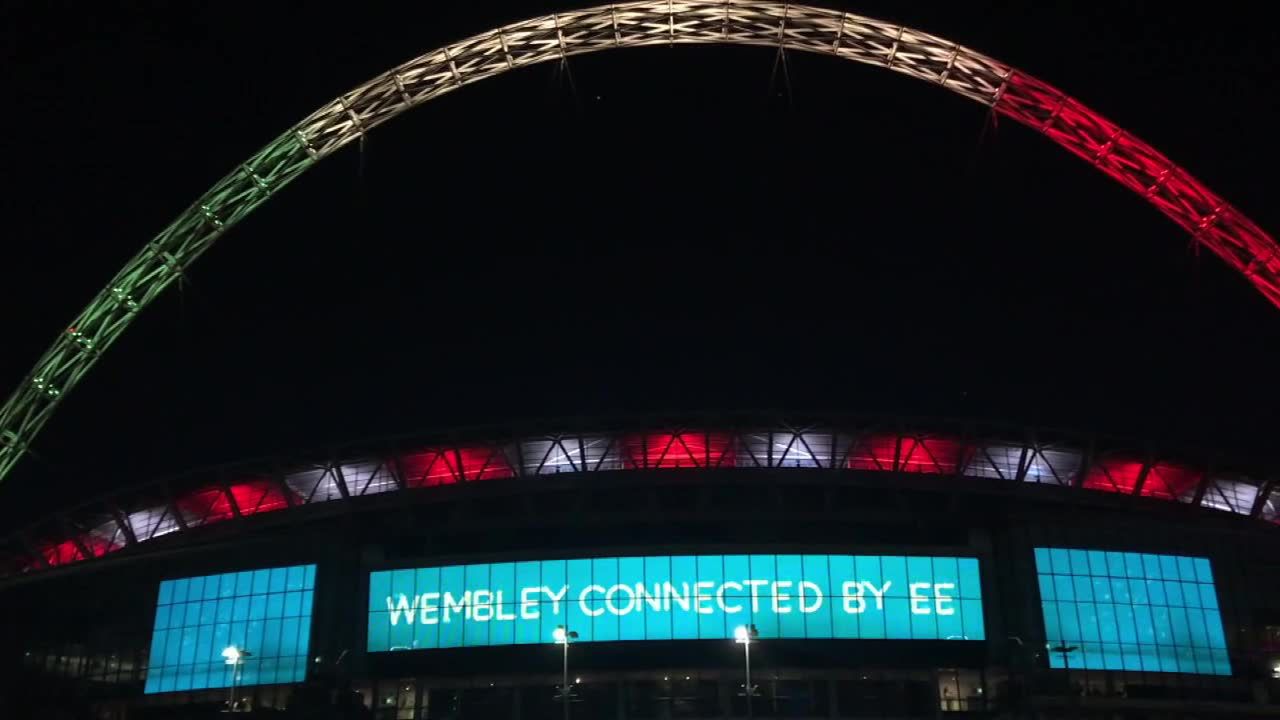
(930, 455)
(62, 553)
(876, 452)
(208, 505)
(906, 453)
(550, 456)
(808, 450)
(1171, 482)
(785, 449)
(682, 597)
(314, 485)
(678, 450)
(999, 462)
(108, 535)
(257, 496)
(369, 478)
(482, 463)
(1236, 495)
(263, 613)
(1113, 475)
(1131, 611)
(428, 468)
(452, 465)
(152, 522)
(1162, 480)
(1053, 467)
(572, 453)
(1271, 507)
(601, 453)
(1004, 462)
(68, 551)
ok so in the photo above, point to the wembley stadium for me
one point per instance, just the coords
(887, 569)
(711, 566)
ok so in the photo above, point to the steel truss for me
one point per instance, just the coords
(1211, 220)
(970, 459)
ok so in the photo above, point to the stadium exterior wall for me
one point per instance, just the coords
(84, 630)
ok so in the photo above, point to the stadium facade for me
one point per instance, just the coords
(883, 570)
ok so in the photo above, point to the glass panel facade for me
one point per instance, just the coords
(265, 614)
(1131, 611)
(677, 597)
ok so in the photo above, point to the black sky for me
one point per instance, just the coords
(676, 235)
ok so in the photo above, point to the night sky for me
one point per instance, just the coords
(661, 230)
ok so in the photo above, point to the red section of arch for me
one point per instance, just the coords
(1211, 220)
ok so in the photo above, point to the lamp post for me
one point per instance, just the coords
(564, 636)
(745, 635)
(234, 657)
(1066, 651)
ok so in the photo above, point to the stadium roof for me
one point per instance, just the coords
(130, 521)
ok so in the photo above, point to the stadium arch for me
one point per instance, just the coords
(1212, 221)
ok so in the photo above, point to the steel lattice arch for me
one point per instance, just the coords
(1212, 221)
(984, 463)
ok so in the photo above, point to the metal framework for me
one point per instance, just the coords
(968, 459)
(1211, 220)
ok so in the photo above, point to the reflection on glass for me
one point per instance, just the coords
(1131, 611)
(266, 614)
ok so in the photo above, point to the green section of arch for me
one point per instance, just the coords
(146, 275)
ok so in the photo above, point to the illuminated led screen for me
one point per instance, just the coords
(677, 597)
(264, 613)
(1131, 611)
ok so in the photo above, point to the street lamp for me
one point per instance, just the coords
(234, 657)
(564, 636)
(745, 635)
(1066, 650)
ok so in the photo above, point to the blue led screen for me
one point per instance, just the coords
(1131, 611)
(266, 613)
(677, 597)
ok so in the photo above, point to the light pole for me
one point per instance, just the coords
(1066, 651)
(564, 636)
(234, 657)
(745, 635)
